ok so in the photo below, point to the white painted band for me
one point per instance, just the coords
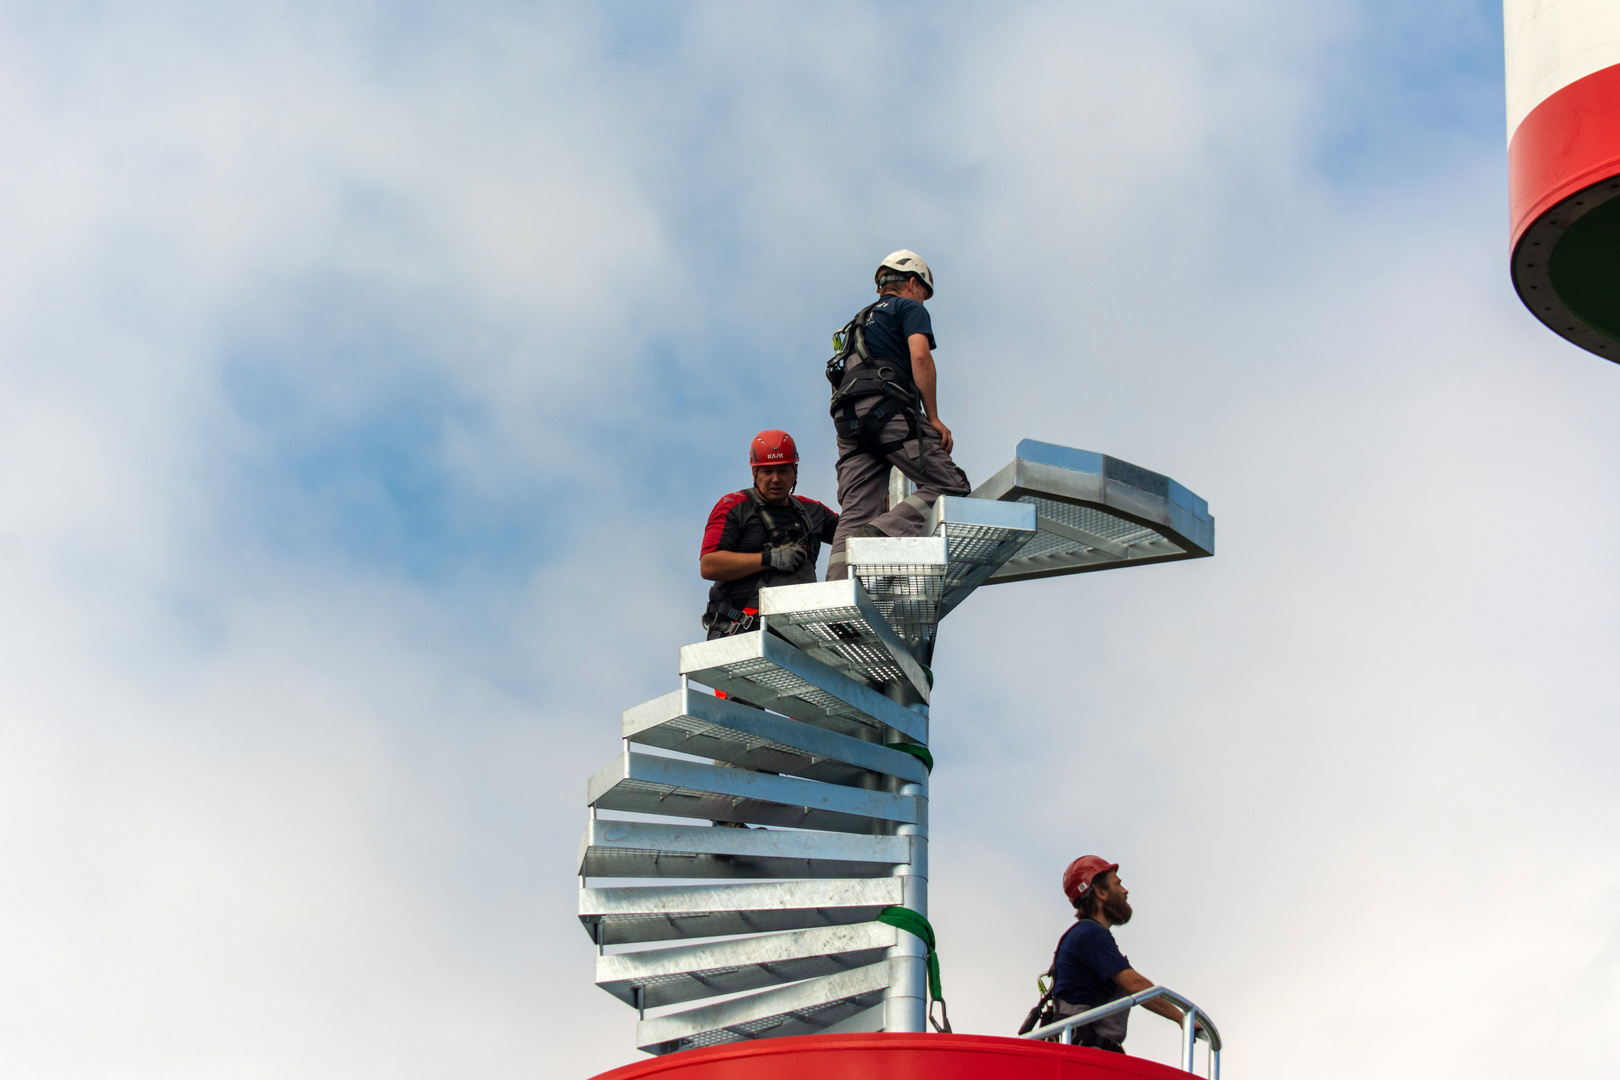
(1552, 43)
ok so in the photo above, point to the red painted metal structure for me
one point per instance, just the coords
(894, 1057)
(1563, 98)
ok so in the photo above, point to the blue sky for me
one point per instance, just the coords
(370, 371)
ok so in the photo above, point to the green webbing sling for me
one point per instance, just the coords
(916, 750)
(913, 923)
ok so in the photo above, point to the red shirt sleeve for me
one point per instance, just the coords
(717, 521)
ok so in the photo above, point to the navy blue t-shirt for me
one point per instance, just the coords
(894, 320)
(1087, 960)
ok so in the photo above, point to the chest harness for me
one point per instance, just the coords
(1105, 1034)
(855, 373)
(777, 533)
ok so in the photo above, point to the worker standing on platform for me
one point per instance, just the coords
(886, 413)
(1088, 969)
(761, 536)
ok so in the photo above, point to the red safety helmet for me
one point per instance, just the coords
(1078, 878)
(773, 447)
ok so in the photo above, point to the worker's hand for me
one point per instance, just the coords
(784, 558)
(945, 439)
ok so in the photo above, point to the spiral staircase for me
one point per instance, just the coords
(756, 861)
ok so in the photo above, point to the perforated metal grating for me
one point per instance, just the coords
(845, 633)
(905, 594)
(1087, 519)
(779, 683)
(974, 552)
(810, 1019)
(699, 729)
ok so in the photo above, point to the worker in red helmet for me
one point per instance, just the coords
(1088, 969)
(761, 536)
(885, 410)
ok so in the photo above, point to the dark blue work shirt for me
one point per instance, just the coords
(894, 320)
(1087, 960)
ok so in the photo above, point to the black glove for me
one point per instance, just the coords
(784, 558)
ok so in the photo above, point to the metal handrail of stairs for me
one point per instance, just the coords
(1195, 1024)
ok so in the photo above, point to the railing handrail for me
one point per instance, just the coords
(1195, 1022)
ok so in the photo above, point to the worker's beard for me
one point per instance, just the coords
(1116, 910)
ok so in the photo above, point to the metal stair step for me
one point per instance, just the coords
(637, 849)
(694, 722)
(850, 1001)
(837, 623)
(649, 784)
(764, 670)
(626, 915)
(980, 536)
(905, 577)
(655, 977)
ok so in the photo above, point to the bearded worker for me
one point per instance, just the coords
(1089, 970)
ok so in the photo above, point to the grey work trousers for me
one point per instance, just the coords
(863, 483)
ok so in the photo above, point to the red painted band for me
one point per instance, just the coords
(895, 1057)
(1568, 142)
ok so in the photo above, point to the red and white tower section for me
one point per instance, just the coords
(1563, 112)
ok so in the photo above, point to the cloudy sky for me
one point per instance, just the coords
(367, 372)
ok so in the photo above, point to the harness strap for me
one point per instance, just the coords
(864, 378)
(774, 533)
(718, 610)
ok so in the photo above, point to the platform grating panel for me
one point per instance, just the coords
(1091, 520)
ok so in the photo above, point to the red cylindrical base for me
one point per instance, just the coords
(894, 1057)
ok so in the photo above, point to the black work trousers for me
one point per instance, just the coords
(863, 482)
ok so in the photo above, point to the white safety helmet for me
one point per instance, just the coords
(906, 262)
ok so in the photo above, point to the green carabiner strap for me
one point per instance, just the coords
(916, 750)
(916, 924)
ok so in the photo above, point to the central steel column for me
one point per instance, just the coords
(905, 1002)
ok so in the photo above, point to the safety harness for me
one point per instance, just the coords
(718, 612)
(855, 373)
(1049, 1010)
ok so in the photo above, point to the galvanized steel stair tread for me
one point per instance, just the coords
(846, 1001)
(649, 784)
(765, 670)
(650, 978)
(837, 623)
(630, 914)
(636, 849)
(693, 722)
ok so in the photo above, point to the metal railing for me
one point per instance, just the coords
(1195, 1022)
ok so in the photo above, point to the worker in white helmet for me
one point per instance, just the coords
(886, 412)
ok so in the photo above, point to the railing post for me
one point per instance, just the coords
(1189, 1038)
